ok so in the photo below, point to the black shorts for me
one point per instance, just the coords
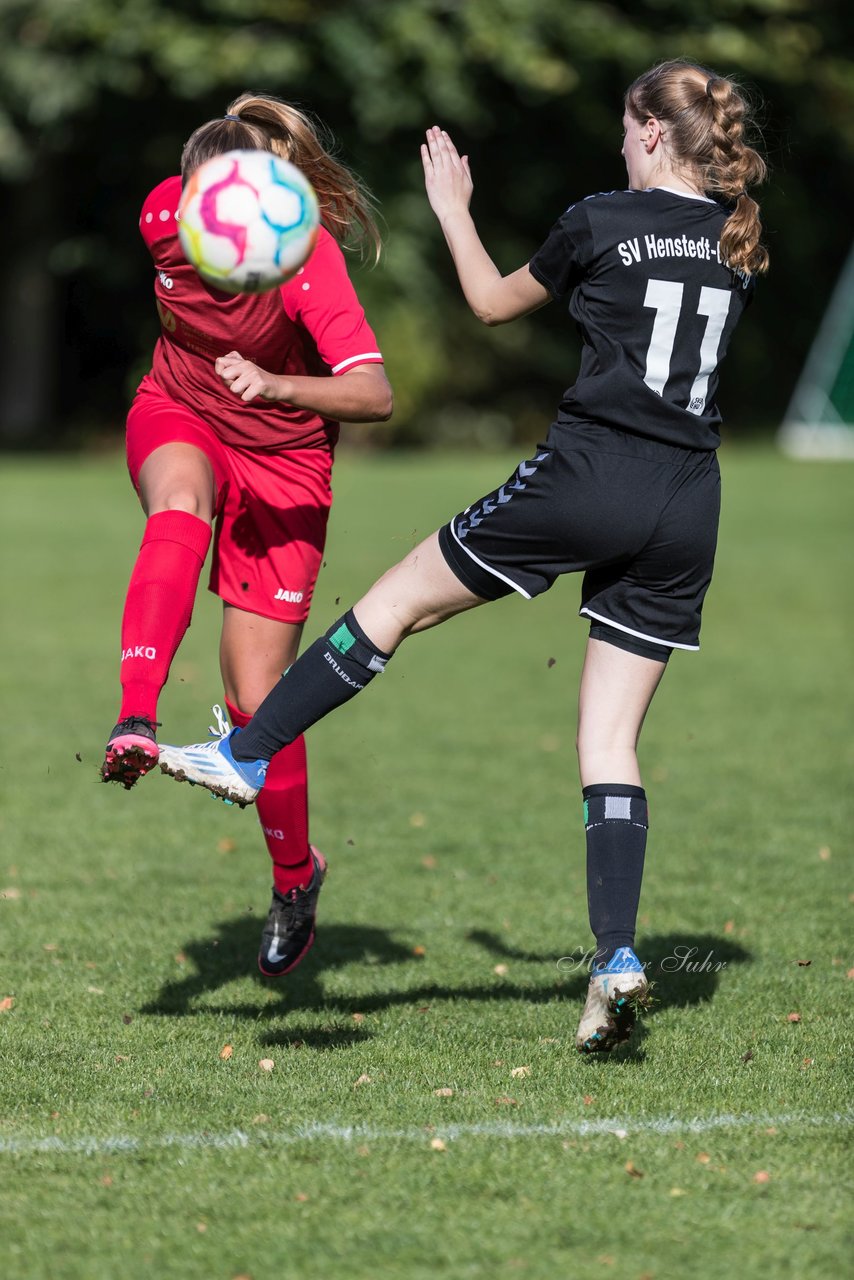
(640, 517)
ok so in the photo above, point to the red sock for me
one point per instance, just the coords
(159, 605)
(283, 811)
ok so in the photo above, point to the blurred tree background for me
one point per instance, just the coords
(97, 97)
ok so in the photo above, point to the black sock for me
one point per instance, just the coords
(330, 672)
(616, 820)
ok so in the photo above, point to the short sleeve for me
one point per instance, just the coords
(561, 262)
(159, 216)
(322, 299)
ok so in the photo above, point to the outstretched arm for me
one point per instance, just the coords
(493, 298)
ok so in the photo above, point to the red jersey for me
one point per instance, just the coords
(313, 324)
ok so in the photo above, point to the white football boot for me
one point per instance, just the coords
(211, 765)
(614, 996)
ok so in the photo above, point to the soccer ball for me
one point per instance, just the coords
(247, 221)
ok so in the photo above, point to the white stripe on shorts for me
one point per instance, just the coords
(488, 567)
(641, 635)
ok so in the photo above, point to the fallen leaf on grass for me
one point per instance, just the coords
(519, 1073)
(762, 1176)
(703, 1157)
(50, 946)
(226, 845)
(678, 1191)
(418, 820)
(419, 951)
(502, 970)
(729, 926)
(78, 757)
(301, 1197)
(622, 1134)
(793, 1017)
(127, 1019)
(504, 1101)
(804, 964)
(357, 1017)
(95, 991)
(824, 853)
(429, 863)
(180, 958)
(436, 1144)
(444, 1093)
(122, 1057)
(226, 1051)
(260, 1118)
(588, 1099)
(201, 1227)
(551, 662)
(7, 1003)
(266, 1064)
(807, 1062)
(11, 894)
(632, 1170)
(850, 973)
(363, 1079)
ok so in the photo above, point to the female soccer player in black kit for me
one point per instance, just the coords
(626, 486)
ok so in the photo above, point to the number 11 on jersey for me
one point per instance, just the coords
(664, 297)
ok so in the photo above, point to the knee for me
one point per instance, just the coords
(183, 498)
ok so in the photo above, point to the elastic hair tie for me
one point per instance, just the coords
(237, 118)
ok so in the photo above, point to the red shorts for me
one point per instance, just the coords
(271, 508)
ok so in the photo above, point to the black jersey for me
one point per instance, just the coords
(655, 305)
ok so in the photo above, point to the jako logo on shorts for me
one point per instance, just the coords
(292, 597)
(139, 651)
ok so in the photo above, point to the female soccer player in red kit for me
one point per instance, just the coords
(625, 487)
(235, 426)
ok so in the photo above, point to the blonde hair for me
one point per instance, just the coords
(260, 122)
(707, 117)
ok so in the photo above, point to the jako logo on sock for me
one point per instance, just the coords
(292, 597)
(274, 833)
(139, 651)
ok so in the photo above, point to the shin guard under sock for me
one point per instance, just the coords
(616, 821)
(159, 605)
(283, 811)
(330, 672)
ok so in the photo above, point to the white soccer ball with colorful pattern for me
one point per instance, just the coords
(247, 221)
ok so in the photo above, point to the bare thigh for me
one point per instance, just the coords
(418, 593)
(178, 477)
(254, 652)
(616, 690)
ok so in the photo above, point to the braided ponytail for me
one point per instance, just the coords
(260, 122)
(732, 168)
(707, 117)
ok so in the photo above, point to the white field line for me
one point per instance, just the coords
(318, 1131)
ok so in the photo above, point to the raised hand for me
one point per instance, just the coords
(446, 174)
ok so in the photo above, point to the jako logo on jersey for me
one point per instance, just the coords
(165, 280)
(139, 651)
(274, 833)
(292, 597)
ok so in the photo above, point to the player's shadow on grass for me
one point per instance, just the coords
(685, 970)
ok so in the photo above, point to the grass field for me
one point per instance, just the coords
(446, 801)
